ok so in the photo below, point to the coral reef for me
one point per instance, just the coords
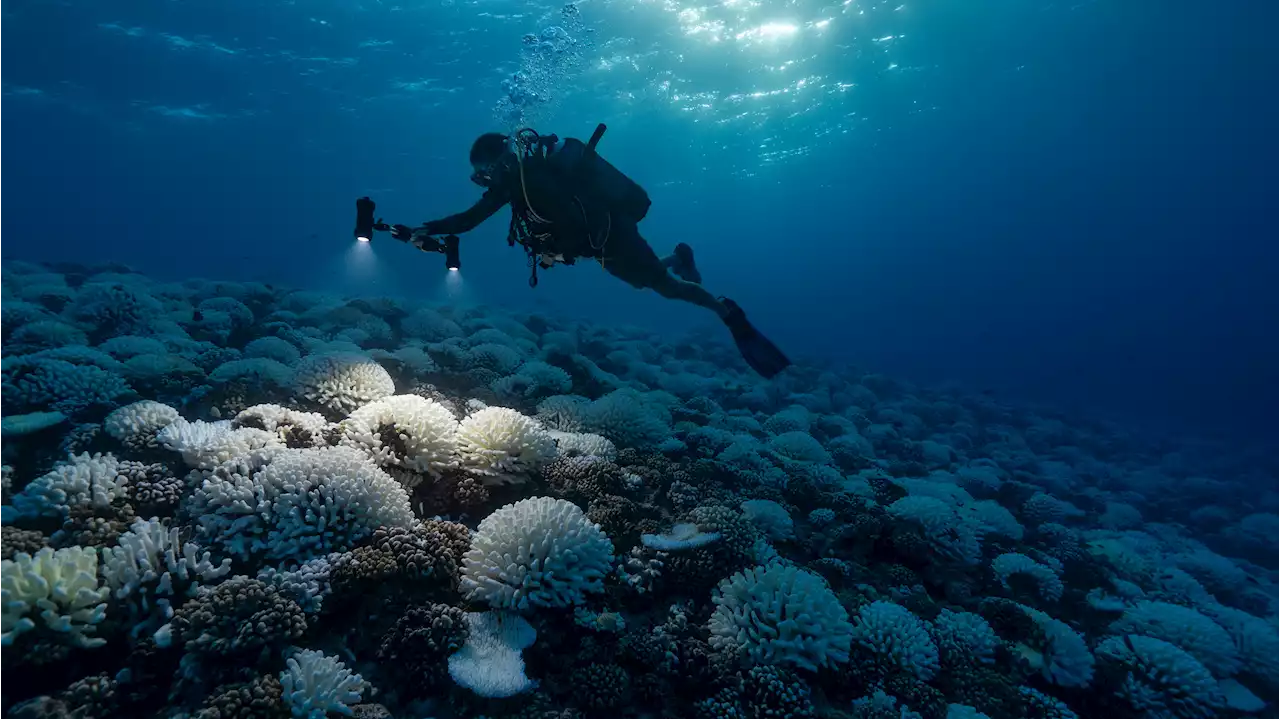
(231, 499)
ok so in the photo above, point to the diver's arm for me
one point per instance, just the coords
(493, 200)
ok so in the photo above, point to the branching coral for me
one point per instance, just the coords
(334, 452)
(56, 591)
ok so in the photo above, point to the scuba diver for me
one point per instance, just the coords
(568, 202)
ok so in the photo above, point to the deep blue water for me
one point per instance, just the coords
(1067, 202)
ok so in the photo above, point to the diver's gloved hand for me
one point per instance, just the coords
(424, 241)
(404, 233)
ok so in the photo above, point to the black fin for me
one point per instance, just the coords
(757, 351)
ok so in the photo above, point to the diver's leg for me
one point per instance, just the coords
(674, 288)
(629, 257)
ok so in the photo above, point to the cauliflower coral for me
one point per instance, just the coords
(538, 552)
(500, 445)
(404, 431)
(779, 614)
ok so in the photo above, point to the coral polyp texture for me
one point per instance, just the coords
(234, 499)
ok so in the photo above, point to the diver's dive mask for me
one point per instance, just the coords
(482, 175)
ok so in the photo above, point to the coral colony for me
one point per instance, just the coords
(236, 500)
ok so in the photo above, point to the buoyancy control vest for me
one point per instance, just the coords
(601, 196)
(595, 179)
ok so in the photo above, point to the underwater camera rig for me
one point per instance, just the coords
(366, 225)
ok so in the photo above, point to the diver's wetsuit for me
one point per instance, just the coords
(625, 254)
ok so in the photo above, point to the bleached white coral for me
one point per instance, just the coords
(316, 684)
(1010, 563)
(994, 519)
(501, 445)
(123, 347)
(342, 381)
(799, 446)
(297, 504)
(1041, 508)
(533, 379)
(272, 348)
(18, 425)
(780, 614)
(294, 428)
(308, 585)
(1185, 628)
(404, 431)
(152, 565)
(682, 537)
(1160, 679)
(1057, 651)
(493, 356)
(626, 419)
(894, 636)
(563, 412)
(84, 481)
(429, 325)
(58, 589)
(538, 552)
(490, 663)
(769, 517)
(952, 535)
(965, 635)
(580, 444)
(205, 445)
(253, 372)
(1254, 638)
(136, 425)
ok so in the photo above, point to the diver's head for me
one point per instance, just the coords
(487, 152)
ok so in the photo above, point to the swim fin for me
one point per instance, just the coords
(762, 355)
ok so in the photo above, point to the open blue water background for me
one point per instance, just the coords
(1065, 202)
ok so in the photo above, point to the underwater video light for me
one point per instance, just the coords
(452, 260)
(364, 219)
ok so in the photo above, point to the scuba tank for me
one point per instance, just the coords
(594, 177)
(602, 194)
